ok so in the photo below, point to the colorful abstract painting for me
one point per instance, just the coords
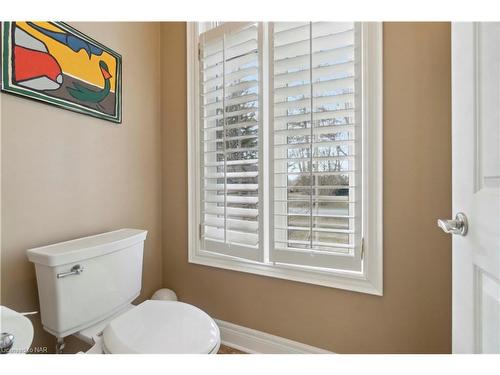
(54, 63)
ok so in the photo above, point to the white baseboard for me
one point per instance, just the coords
(256, 342)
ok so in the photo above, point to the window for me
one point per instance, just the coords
(285, 150)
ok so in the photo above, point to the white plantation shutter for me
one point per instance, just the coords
(315, 145)
(230, 136)
(285, 150)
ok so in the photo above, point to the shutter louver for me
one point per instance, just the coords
(230, 118)
(315, 145)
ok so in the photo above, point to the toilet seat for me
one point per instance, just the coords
(162, 327)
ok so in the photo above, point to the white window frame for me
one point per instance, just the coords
(370, 280)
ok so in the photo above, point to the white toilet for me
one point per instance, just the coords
(86, 287)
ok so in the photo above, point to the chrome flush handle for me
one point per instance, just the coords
(75, 270)
(457, 226)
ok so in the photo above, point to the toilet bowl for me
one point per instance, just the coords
(155, 327)
(86, 288)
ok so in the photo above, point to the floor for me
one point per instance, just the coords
(228, 350)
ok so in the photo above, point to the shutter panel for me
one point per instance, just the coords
(230, 102)
(316, 145)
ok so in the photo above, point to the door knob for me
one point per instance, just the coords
(457, 226)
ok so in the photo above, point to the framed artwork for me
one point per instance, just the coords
(56, 64)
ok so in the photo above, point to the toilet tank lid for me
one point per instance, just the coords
(86, 247)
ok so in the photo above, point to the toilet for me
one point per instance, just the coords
(86, 288)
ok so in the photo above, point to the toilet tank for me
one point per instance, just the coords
(110, 278)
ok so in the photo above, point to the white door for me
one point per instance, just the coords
(476, 186)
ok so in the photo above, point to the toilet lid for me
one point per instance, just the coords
(162, 327)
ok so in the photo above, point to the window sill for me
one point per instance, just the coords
(355, 282)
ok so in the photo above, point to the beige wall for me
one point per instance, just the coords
(66, 175)
(414, 315)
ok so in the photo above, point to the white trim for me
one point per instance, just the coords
(192, 135)
(371, 279)
(373, 155)
(338, 279)
(256, 342)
